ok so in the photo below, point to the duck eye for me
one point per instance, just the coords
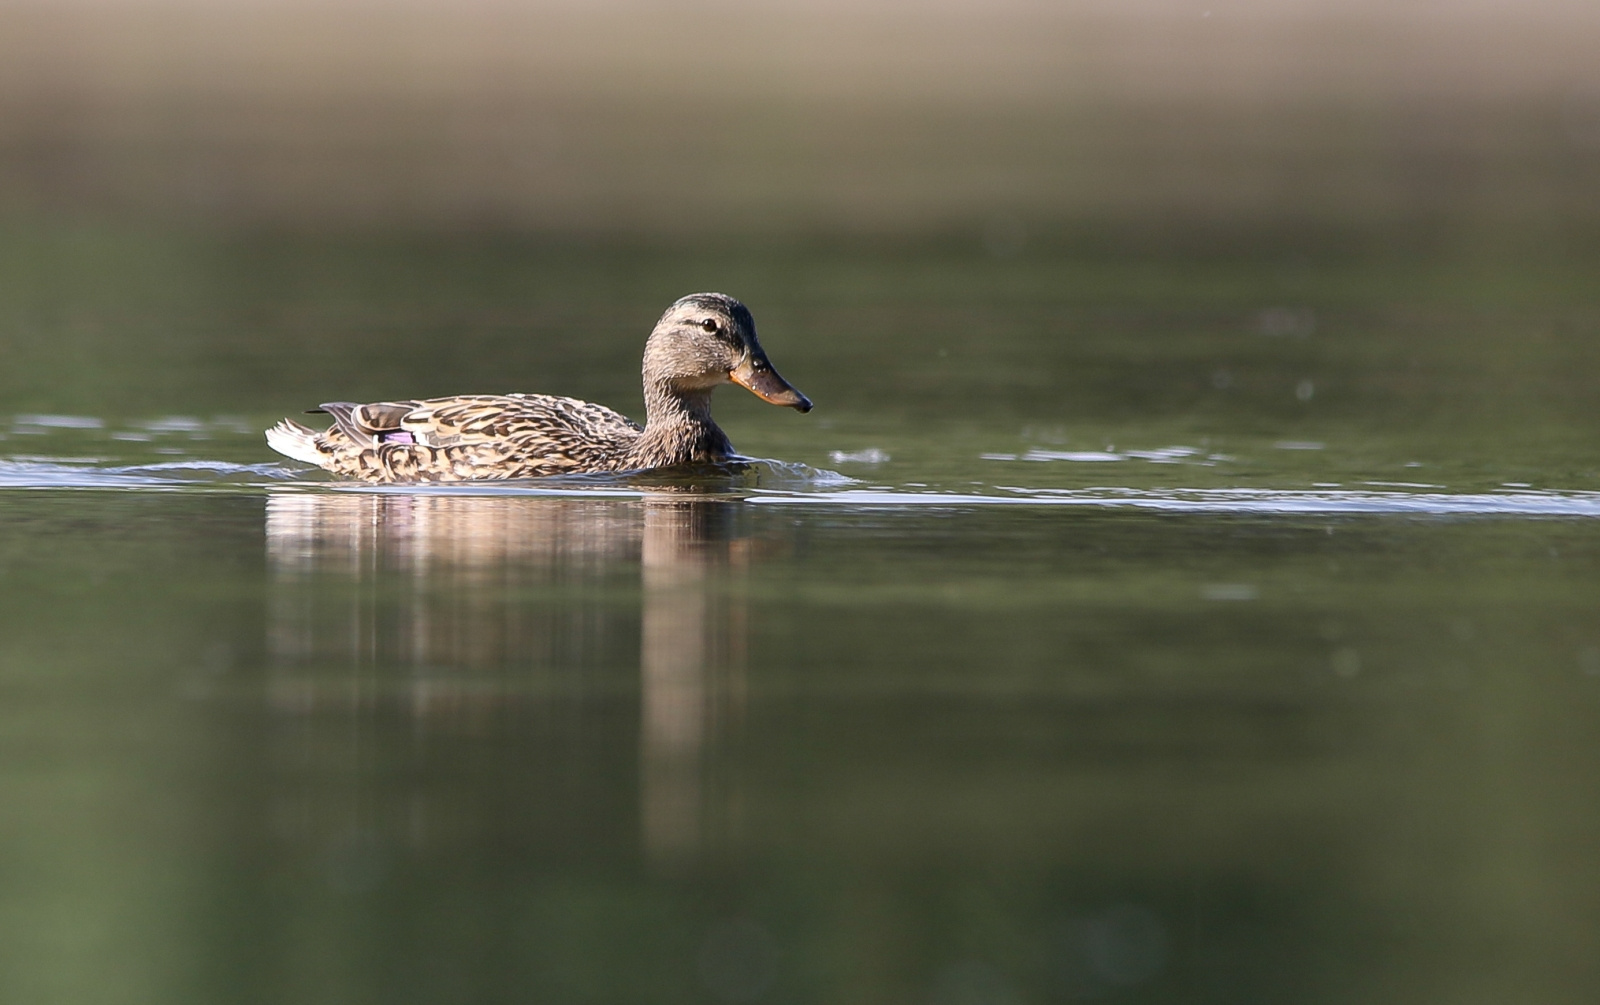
(709, 325)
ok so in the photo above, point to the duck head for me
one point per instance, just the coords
(706, 339)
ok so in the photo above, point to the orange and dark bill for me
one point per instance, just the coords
(758, 377)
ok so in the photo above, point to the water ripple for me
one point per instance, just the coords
(1243, 501)
(85, 473)
(779, 483)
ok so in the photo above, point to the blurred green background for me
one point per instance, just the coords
(1274, 127)
(266, 740)
(1040, 214)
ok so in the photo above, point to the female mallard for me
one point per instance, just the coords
(703, 340)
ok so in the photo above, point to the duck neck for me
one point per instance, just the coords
(678, 428)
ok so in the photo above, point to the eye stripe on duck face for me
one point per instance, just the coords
(724, 332)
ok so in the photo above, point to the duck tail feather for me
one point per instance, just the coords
(291, 439)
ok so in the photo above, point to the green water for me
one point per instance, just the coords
(1118, 629)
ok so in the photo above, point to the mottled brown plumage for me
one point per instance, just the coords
(703, 340)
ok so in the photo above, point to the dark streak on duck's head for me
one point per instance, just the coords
(706, 339)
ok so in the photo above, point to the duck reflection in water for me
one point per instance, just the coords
(395, 618)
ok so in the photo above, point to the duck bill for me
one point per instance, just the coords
(758, 377)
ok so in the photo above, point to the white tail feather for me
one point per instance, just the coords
(294, 440)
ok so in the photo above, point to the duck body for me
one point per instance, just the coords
(703, 340)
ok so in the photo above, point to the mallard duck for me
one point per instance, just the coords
(703, 340)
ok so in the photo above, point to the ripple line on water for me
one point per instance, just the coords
(200, 474)
(799, 485)
(87, 473)
(1242, 500)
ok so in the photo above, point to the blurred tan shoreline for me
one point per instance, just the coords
(781, 118)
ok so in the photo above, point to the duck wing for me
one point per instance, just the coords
(472, 437)
(487, 418)
(479, 418)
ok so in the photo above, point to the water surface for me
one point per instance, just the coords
(1195, 633)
